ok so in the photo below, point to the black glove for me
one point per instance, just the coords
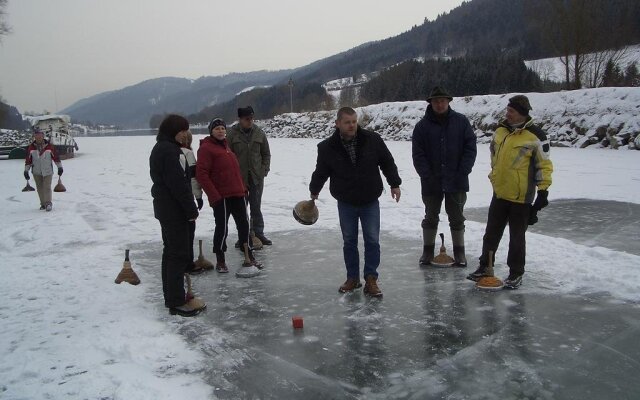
(26, 175)
(533, 216)
(60, 171)
(541, 200)
(200, 203)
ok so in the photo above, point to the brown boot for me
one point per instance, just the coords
(349, 285)
(371, 286)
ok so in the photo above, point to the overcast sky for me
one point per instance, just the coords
(65, 50)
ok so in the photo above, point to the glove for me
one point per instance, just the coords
(200, 203)
(60, 171)
(26, 175)
(533, 216)
(541, 200)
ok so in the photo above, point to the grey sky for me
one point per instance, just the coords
(64, 50)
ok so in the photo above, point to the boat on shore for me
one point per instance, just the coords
(56, 131)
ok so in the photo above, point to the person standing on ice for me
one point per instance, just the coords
(352, 159)
(174, 207)
(519, 163)
(40, 158)
(218, 172)
(444, 151)
(195, 188)
(250, 145)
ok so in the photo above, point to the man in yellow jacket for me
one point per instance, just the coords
(519, 164)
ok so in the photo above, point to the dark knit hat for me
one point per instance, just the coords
(245, 112)
(438, 92)
(216, 122)
(520, 103)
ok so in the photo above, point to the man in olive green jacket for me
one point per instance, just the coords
(250, 145)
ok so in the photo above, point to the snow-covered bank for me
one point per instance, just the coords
(67, 331)
(602, 117)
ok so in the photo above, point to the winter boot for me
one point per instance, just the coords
(191, 308)
(429, 238)
(458, 248)
(480, 272)
(350, 285)
(221, 265)
(371, 286)
(513, 281)
(265, 241)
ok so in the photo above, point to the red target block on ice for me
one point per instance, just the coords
(297, 322)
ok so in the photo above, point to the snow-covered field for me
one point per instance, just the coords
(67, 331)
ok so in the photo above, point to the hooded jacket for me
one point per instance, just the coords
(218, 170)
(444, 152)
(171, 190)
(359, 183)
(519, 162)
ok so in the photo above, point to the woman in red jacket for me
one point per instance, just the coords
(218, 172)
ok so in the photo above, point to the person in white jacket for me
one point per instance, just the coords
(195, 188)
(40, 158)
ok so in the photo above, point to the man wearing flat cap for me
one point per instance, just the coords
(519, 164)
(444, 151)
(250, 145)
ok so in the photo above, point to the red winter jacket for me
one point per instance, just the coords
(218, 170)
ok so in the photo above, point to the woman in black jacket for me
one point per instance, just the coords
(174, 206)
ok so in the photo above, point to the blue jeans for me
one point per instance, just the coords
(369, 216)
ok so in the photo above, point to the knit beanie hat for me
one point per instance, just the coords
(520, 103)
(216, 122)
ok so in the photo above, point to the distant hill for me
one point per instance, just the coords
(132, 106)
(10, 118)
(475, 28)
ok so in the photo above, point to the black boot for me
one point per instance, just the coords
(265, 241)
(481, 272)
(427, 254)
(429, 240)
(457, 237)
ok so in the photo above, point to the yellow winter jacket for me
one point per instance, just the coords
(519, 162)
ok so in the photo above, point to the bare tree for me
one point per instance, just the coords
(576, 28)
(544, 68)
(596, 63)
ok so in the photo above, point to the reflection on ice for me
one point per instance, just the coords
(432, 336)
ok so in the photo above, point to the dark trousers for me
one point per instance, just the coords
(453, 205)
(192, 236)
(176, 256)
(236, 207)
(255, 202)
(369, 217)
(516, 215)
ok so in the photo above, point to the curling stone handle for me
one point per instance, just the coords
(200, 246)
(126, 255)
(442, 238)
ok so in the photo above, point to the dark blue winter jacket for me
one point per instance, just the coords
(443, 152)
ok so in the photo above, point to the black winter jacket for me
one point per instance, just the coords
(357, 184)
(443, 152)
(171, 190)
